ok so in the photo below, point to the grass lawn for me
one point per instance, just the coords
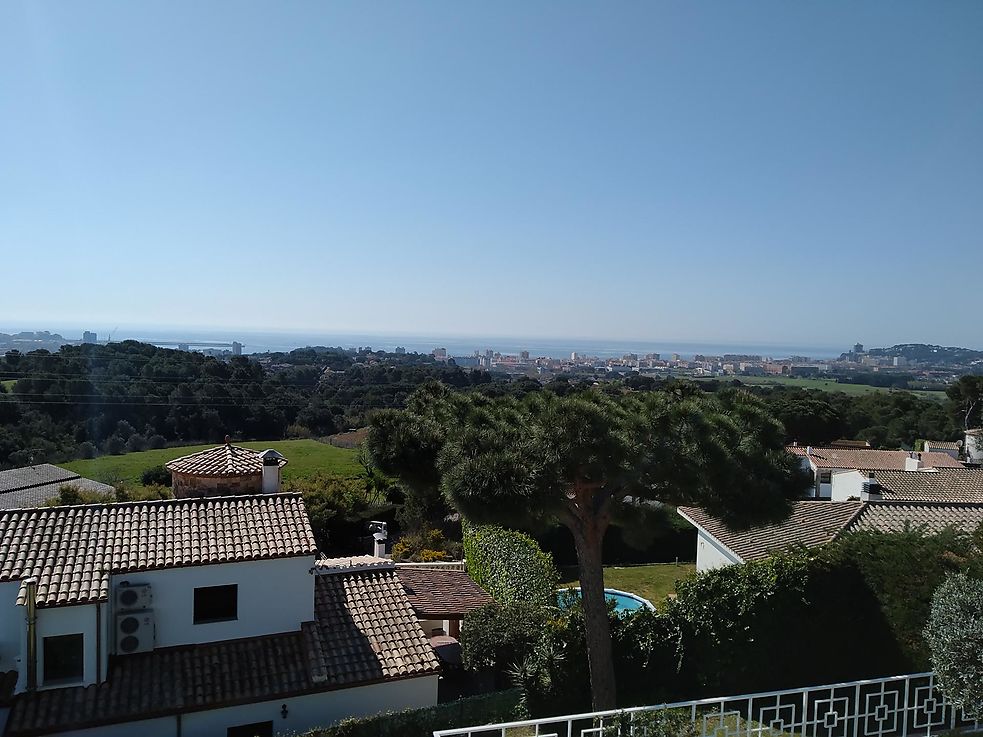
(826, 385)
(8, 384)
(306, 458)
(653, 582)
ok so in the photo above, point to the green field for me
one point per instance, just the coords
(653, 582)
(826, 385)
(8, 384)
(306, 458)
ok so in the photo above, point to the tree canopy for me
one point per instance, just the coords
(579, 459)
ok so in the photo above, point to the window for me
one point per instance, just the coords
(259, 729)
(826, 477)
(63, 659)
(216, 603)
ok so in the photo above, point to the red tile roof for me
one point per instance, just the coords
(868, 459)
(940, 485)
(224, 460)
(933, 516)
(72, 551)
(442, 594)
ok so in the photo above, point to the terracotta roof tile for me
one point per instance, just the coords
(943, 444)
(811, 523)
(365, 630)
(73, 550)
(224, 460)
(942, 485)
(934, 516)
(868, 459)
(437, 593)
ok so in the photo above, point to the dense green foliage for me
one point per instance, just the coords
(955, 637)
(501, 706)
(509, 565)
(854, 609)
(89, 399)
(496, 637)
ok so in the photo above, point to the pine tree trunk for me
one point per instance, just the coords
(588, 540)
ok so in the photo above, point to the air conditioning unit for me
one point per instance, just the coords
(134, 596)
(135, 632)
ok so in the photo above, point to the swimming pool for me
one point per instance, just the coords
(624, 601)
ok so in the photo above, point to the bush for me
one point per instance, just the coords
(428, 546)
(955, 636)
(156, 475)
(509, 565)
(86, 450)
(71, 495)
(339, 510)
(489, 708)
(495, 637)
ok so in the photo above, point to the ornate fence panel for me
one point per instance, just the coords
(900, 706)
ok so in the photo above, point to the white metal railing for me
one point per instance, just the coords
(444, 565)
(900, 706)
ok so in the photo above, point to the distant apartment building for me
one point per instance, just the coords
(440, 354)
(89, 337)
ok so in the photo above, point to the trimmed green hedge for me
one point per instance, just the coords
(509, 565)
(501, 706)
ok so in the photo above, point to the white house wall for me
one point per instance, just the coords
(274, 596)
(710, 554)
(68, 620)
(303, 712)
(847, 485)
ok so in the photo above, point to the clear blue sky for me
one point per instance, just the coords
(769, 171)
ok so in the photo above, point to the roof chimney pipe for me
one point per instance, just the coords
(31, 597)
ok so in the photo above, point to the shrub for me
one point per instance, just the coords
(495, 637)
(156, 475)
(509, 565)
(71, 495)
(426, 546)
(86, 450)
(955, 636)
(156, 442)
(488, 708)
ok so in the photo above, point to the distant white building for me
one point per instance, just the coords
(194, 617)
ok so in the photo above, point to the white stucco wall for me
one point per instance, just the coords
(303, 712)
(68, 620)
(274, 596)
(710, 554)
(847, 484)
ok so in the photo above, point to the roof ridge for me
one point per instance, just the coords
(149, 502)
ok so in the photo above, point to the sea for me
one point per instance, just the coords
(462, 345)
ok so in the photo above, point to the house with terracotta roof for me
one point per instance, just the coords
(922, 485)
(814, 522)
(226, 469)
(201, 616)
(824, 462)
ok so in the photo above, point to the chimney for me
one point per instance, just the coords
(912, 463)
(271, 471)
(228, 440)
(871, 488)
(380, 533)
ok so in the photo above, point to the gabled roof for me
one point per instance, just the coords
(869, 459)
(810, 523)
(223, 460)
(364, 632)
(34, 486)
(437, 593)
(944, 444)
(941, 485)
(934, 516)
(73, 550)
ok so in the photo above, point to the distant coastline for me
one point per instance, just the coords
(269, 341)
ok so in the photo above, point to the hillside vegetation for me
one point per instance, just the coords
(307, 459)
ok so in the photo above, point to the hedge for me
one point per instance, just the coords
(501, 706)
(955, 635)
(509, 565)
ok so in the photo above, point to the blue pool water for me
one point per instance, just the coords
(623, 601)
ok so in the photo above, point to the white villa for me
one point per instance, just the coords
(824, 462)
(191, 617)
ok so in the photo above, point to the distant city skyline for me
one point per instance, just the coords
(760, 172)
